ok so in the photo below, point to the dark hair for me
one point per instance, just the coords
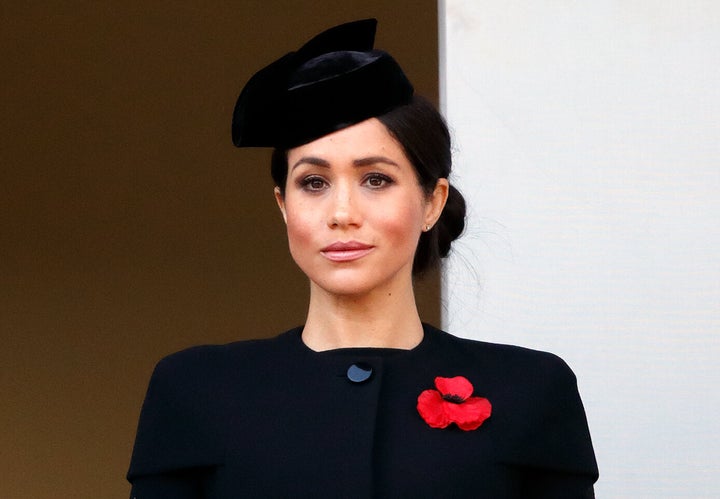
(421, 131)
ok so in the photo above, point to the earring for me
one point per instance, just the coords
(427, 227)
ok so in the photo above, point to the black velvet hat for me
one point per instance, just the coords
(333, 81)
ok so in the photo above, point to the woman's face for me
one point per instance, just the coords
(354, 210)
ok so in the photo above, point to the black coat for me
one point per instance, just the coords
(272, 418)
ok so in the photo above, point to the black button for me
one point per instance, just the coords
(359, 373)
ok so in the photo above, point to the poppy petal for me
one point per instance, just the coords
(430, 407)
(459, 385)
(470, 414)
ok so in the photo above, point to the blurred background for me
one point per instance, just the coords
(586, 138)
(130, 227)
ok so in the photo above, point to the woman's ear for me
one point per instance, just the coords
(280, 200)
(436, 201)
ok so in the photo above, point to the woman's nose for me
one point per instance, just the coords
(344, 211)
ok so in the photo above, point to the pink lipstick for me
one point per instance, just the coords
(346, 251)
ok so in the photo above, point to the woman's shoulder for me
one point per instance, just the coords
(527, 387)
(219, 358)
(512, 360)
(190, 393)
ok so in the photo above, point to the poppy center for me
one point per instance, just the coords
(455, 399)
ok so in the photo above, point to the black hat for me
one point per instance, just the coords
(335, 80)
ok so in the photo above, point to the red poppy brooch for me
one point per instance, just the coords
(453, 402)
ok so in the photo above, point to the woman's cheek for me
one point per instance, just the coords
(402, 223)
(300, 235)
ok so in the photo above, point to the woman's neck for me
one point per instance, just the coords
(378, 319)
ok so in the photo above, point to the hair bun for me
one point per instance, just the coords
(452, 221)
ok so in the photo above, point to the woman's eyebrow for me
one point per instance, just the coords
(369, 161)
(311, 160)
(373, 160)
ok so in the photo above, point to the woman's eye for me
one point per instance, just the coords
(377, 181)
(313, 183)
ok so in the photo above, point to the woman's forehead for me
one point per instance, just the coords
(367, 139)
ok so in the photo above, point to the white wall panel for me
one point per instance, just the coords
(587, 140)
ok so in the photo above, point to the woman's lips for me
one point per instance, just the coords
(346, 252)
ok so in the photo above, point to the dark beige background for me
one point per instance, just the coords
(131, 227)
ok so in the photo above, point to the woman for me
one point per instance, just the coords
(364, 400)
